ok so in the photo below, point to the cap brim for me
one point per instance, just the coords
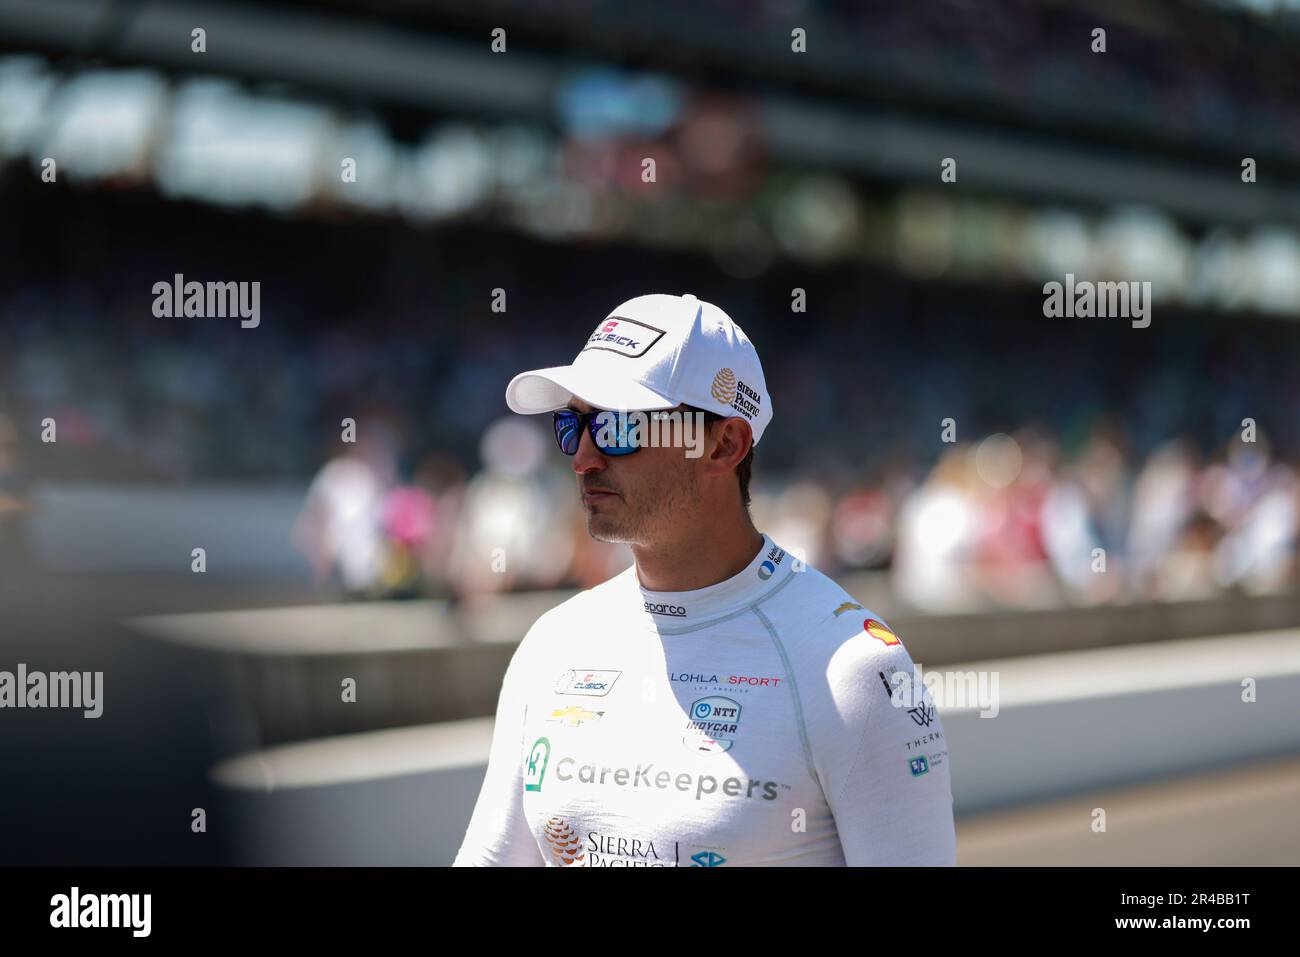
(545, 390)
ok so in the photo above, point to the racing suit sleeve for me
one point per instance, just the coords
(498, 833)
(882, 760)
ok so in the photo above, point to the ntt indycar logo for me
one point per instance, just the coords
(712, 726)
(673, 611)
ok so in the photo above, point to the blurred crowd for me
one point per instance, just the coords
(513, 524)
(1009, 521)
(1012, 522)
(1071, 436)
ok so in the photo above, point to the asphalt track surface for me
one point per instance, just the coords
(1247, 815)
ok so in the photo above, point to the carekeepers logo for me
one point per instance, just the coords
(626, 337)
(645, 778)
(539, 755)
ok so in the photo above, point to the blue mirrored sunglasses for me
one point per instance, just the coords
(612, 432)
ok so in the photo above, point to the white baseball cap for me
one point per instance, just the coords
(656, 352)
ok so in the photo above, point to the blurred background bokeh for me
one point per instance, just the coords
(1108, 516)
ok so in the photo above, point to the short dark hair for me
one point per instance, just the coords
(745, 468)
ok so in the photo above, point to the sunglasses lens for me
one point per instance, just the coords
(615, 433)
(566, 432)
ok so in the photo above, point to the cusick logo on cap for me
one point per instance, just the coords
(625, 337)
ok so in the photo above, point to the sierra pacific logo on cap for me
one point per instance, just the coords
(729, 390)
(724, 386)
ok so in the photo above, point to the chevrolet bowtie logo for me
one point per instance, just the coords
(573, 715)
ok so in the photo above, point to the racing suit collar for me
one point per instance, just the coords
(768, 566)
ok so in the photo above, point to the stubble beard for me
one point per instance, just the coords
(671, 499)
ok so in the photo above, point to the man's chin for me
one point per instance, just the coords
(604, 528)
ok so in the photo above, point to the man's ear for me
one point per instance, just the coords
(733, 439)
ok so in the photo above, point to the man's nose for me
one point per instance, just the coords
(588, 458)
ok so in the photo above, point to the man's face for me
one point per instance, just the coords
(634, 498)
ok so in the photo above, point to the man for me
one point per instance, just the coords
(718, 703)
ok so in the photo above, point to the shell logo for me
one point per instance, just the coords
(566, 846)
(724, 386)
(877, 630)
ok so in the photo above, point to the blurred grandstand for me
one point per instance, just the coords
(1174, 449)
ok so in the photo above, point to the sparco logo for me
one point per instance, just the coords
(676, 611)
